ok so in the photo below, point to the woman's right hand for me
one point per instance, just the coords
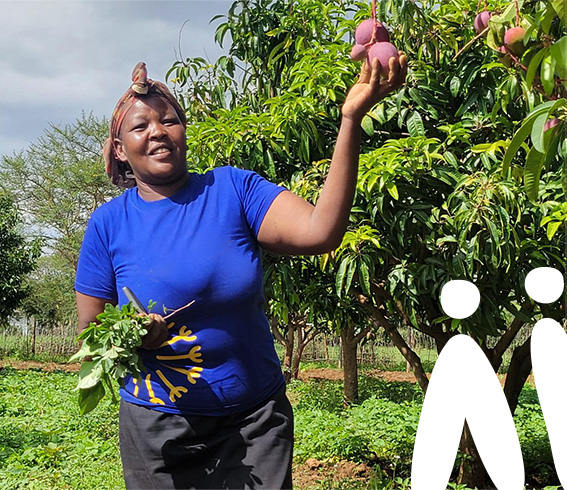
(157, 332)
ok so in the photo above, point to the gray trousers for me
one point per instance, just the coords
(248, 450)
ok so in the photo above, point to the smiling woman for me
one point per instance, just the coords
(146, 107)
(152, 141)
(210, 410)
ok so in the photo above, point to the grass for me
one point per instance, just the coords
(46, 445)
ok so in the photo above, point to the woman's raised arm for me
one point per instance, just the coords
(294, 226)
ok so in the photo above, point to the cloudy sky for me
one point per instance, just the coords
(61, 57)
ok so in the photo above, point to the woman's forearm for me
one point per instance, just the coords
(330, 216)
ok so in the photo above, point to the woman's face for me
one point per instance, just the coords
(152, 140)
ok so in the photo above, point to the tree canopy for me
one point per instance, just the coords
(461, 171)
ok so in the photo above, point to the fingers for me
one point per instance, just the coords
(365, 72)
(394, 74)
(157, 332)
(375, 77)
(403, 67)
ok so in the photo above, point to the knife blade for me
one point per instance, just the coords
(134, 299)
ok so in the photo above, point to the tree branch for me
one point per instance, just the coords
(506, 340)
(379, 319)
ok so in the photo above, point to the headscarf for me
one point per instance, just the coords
(120, 172)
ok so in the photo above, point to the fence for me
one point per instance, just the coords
(26, 340)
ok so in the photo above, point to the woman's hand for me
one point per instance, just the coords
(157, 332)
(370, 89)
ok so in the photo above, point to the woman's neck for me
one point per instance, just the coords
(152, 192)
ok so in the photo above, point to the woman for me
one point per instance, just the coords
(211, 409)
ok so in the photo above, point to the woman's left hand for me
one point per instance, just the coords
(157, 332)
(370, 89)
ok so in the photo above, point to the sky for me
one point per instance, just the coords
(61, 57)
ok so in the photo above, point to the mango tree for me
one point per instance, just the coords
(437, 199)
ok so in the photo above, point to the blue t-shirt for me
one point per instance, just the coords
(197, 245)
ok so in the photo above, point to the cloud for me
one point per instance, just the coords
(58, 58)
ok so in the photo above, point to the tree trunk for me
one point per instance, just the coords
(304, 337)
(34, 328)
(411, 345)
(471, 471)
(287, 342)
(288, 356)
(350, 365)
(518, 372)
(296, 361)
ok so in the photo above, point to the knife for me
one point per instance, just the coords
(134, 299)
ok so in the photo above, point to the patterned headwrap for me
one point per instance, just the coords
(121, 172)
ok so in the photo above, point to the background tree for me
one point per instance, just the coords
(17, 259)
(56, 183)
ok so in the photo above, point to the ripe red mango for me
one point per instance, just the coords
(382, 51)
(358, 52)
(514, 40)
(481, 21)
(551, 123)
(363, 33)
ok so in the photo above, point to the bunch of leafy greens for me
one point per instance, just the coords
(108, 352)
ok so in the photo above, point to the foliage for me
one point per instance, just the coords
(44, 443)
(52, 298)
(56, 183)
(108, 352)
(443, 192)
(380, 431)
(18, 258)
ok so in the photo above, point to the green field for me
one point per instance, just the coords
(46, 445)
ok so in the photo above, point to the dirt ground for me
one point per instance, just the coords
(399, 376)
(311, 474)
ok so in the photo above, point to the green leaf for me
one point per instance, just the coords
(393, 190)
(532, 172)
(455, 85)
(89, 375)
(509, 12)
(467, 104)
(367, 125)
(534, 65)
(538, 132)
(525, 130)
(89, 398)
(559, 51)
(415, 125)
(339, 280)
(559, 7)
(220, 33)
(547, 74)
(552, 228)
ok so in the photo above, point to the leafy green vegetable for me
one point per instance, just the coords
(109, 352)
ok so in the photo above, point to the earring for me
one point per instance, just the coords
(129, 174)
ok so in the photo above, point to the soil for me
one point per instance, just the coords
(311, 474)
(398, 376)
(40, 366)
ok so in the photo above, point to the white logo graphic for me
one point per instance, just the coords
(463, 385)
